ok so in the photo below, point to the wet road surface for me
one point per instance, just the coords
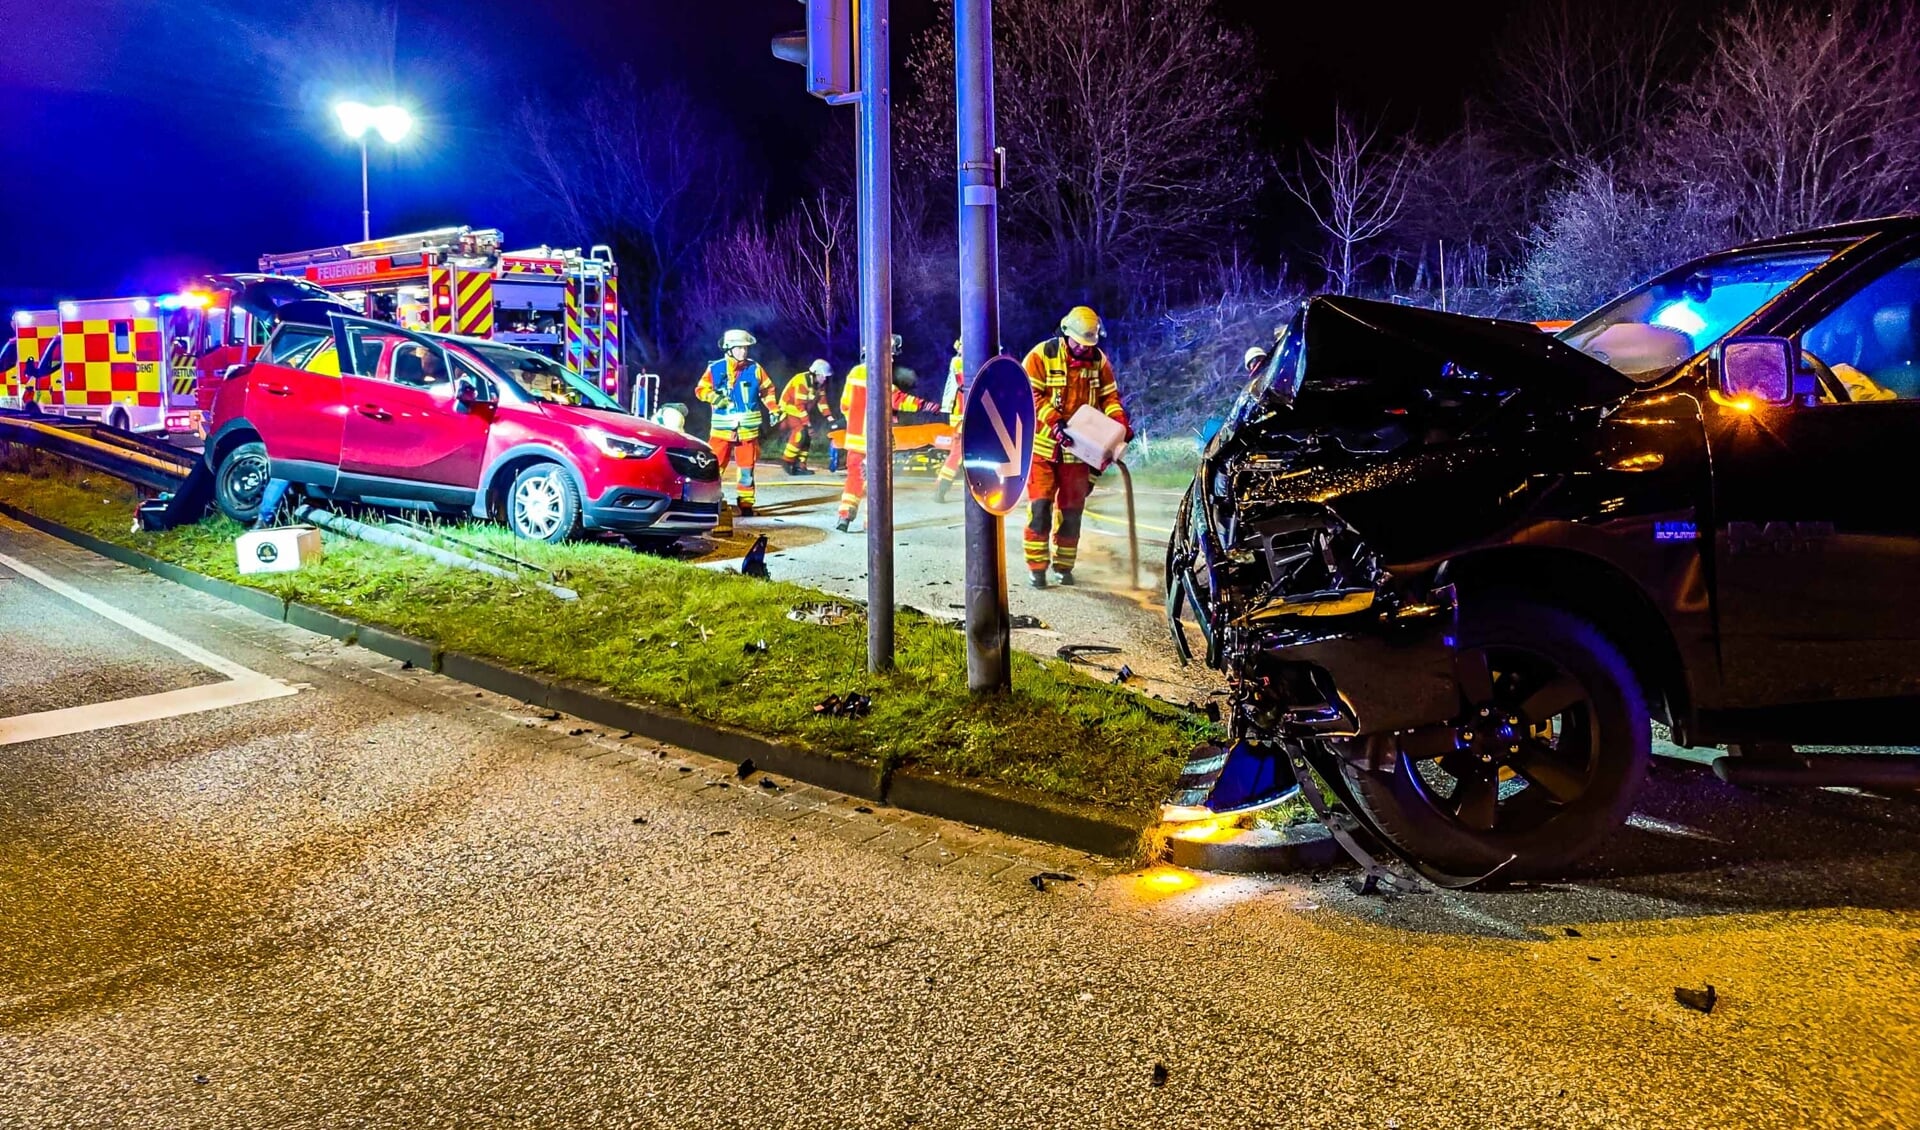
(390, 900)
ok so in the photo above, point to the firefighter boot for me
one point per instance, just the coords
(1037, 578)
(941, 488)
(792, 467)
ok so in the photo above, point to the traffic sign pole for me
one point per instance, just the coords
(989, 627)
(875, 165)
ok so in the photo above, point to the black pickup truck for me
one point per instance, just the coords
(1457, 564)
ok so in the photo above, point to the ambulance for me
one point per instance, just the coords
(146, 364)
(564, 304)
(102, 359)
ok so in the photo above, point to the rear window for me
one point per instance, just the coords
(292, 344)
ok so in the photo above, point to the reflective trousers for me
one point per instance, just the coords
(799, 441)
(856, 488)
(1055, 486)
(950, 470)
(744, 452)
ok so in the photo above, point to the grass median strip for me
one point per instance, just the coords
(659, 632)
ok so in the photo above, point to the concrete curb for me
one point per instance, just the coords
(1083, 827)
(1253, 850)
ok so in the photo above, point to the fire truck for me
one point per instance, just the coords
(147, 364)
(562, 303)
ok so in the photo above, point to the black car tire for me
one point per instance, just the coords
(240, 482)
(543, 504)
(1401, 807)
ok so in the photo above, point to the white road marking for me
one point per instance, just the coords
(243, 684)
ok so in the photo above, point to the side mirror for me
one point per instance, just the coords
(1757, 368)
(470, 392)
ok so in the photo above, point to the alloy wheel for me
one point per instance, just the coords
(1523, 747)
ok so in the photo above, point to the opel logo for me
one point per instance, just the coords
(704, 460)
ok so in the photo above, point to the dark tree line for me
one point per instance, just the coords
(1607, 141)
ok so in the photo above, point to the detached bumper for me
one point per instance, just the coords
(1363, 673)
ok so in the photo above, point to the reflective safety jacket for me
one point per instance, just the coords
(853, 406)
(800, 394)
(737, 390)
(1061, 384)
(953, 400)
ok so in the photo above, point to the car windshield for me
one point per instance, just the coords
(1654, 327)
(542, 378)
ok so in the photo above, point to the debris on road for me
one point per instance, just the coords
(755, 647)
(1077, 652)
(744, 769)
(1160, 1074)
(769, 783)
(852, 705)
(827, 614)
(1121, 676)
(1696, 999)
(1022, 620)
(1041, 880)
(754, 564)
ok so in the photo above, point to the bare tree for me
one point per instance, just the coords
(1579, 80)
(1474, 193)
(1127, 124)
(1355, 188)
(791, 277)
(1805, 115)
(1601, 234)
(643, 170)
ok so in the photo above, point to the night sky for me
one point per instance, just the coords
(143, 141)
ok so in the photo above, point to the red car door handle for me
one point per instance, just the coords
(276, 390)
(374, 412)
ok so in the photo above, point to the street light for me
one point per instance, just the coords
(392, 123)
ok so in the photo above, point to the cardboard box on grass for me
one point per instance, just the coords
(279, 550)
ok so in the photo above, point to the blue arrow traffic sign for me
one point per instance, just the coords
(996, 435)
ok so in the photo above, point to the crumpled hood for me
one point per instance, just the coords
(1374, 376)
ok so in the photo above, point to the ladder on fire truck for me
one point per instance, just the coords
(561, 302)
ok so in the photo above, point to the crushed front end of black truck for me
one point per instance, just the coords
(1306, 559)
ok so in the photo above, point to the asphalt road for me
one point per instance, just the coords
(1105, 608)
(389, 900)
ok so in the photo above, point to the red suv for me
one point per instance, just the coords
(366, 411)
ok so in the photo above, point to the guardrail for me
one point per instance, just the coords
(140, 461)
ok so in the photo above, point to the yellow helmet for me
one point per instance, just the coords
(1083, 325)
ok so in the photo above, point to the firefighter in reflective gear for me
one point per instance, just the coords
(738, 388)
(1066, 372)
(953, 401)
(853, 408)
(1255, 358)
(804, 394)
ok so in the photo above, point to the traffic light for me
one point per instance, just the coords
(824, 47)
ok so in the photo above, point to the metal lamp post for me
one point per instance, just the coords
(392, 123)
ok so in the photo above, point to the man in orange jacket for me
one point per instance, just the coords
(1066, 372)
(738, 388)
(853, 407)
(953, 401)
(804, 394)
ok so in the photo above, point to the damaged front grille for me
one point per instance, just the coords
(1303, 563)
